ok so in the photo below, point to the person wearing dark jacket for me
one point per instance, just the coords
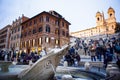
(109, 54)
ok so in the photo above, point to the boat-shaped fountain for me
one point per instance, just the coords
(43, 69)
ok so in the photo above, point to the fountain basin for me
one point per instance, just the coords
(13, 71)
(4, 65)
(78, 73)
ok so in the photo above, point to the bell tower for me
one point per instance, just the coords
(111, 21)
(111, 13)
(99, 18)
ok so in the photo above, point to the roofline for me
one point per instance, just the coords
(43, 13)
(6, 27)
(84, 30)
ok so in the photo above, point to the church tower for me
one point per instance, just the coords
(111, 13)
(99, 18)
(111, 21)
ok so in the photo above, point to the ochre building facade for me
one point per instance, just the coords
(16, 33)
(45, 30)
(103, 26)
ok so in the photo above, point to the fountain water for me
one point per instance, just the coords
(78, 73)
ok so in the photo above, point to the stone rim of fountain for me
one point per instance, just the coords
(85, 72)
(5, 65)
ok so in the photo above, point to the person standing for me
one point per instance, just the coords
(117, 51)
(93, 52)
(72, 50)
(109, 55)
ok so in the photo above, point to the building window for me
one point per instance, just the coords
(25, 34)
(35, 21)
(21, 45)
(17, 44)
(111, 15)
(10, 45)
(99, 30)
(14, 37)
(41, 19)
(25, 43)
(34, 31)
(63, 33)
(48, 28)
(21, 35)
(12, 31)
(29, 43)
(47, 39)
(15, 30)
(63, 24)
(40, 41)
(67, 26)
(33, 42)
(17, 36)
(18, 28)
(112, 27)
(107, 29)
(91, 33)
(56, 41)
(98, 19)
(47, 19)
(56, 31)
(22, 27)
(40, 29)
(30, 23)
(67, 34)
(29, 33)
(26, 24)
(57, 22)
(11, 38)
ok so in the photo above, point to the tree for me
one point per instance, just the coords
(117, 28)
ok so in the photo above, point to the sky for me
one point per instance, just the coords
(80, 13)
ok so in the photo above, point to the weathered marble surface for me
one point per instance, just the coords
(44, 68)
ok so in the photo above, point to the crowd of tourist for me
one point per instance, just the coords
(106, 50)
(99, 50)
(23, 58)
